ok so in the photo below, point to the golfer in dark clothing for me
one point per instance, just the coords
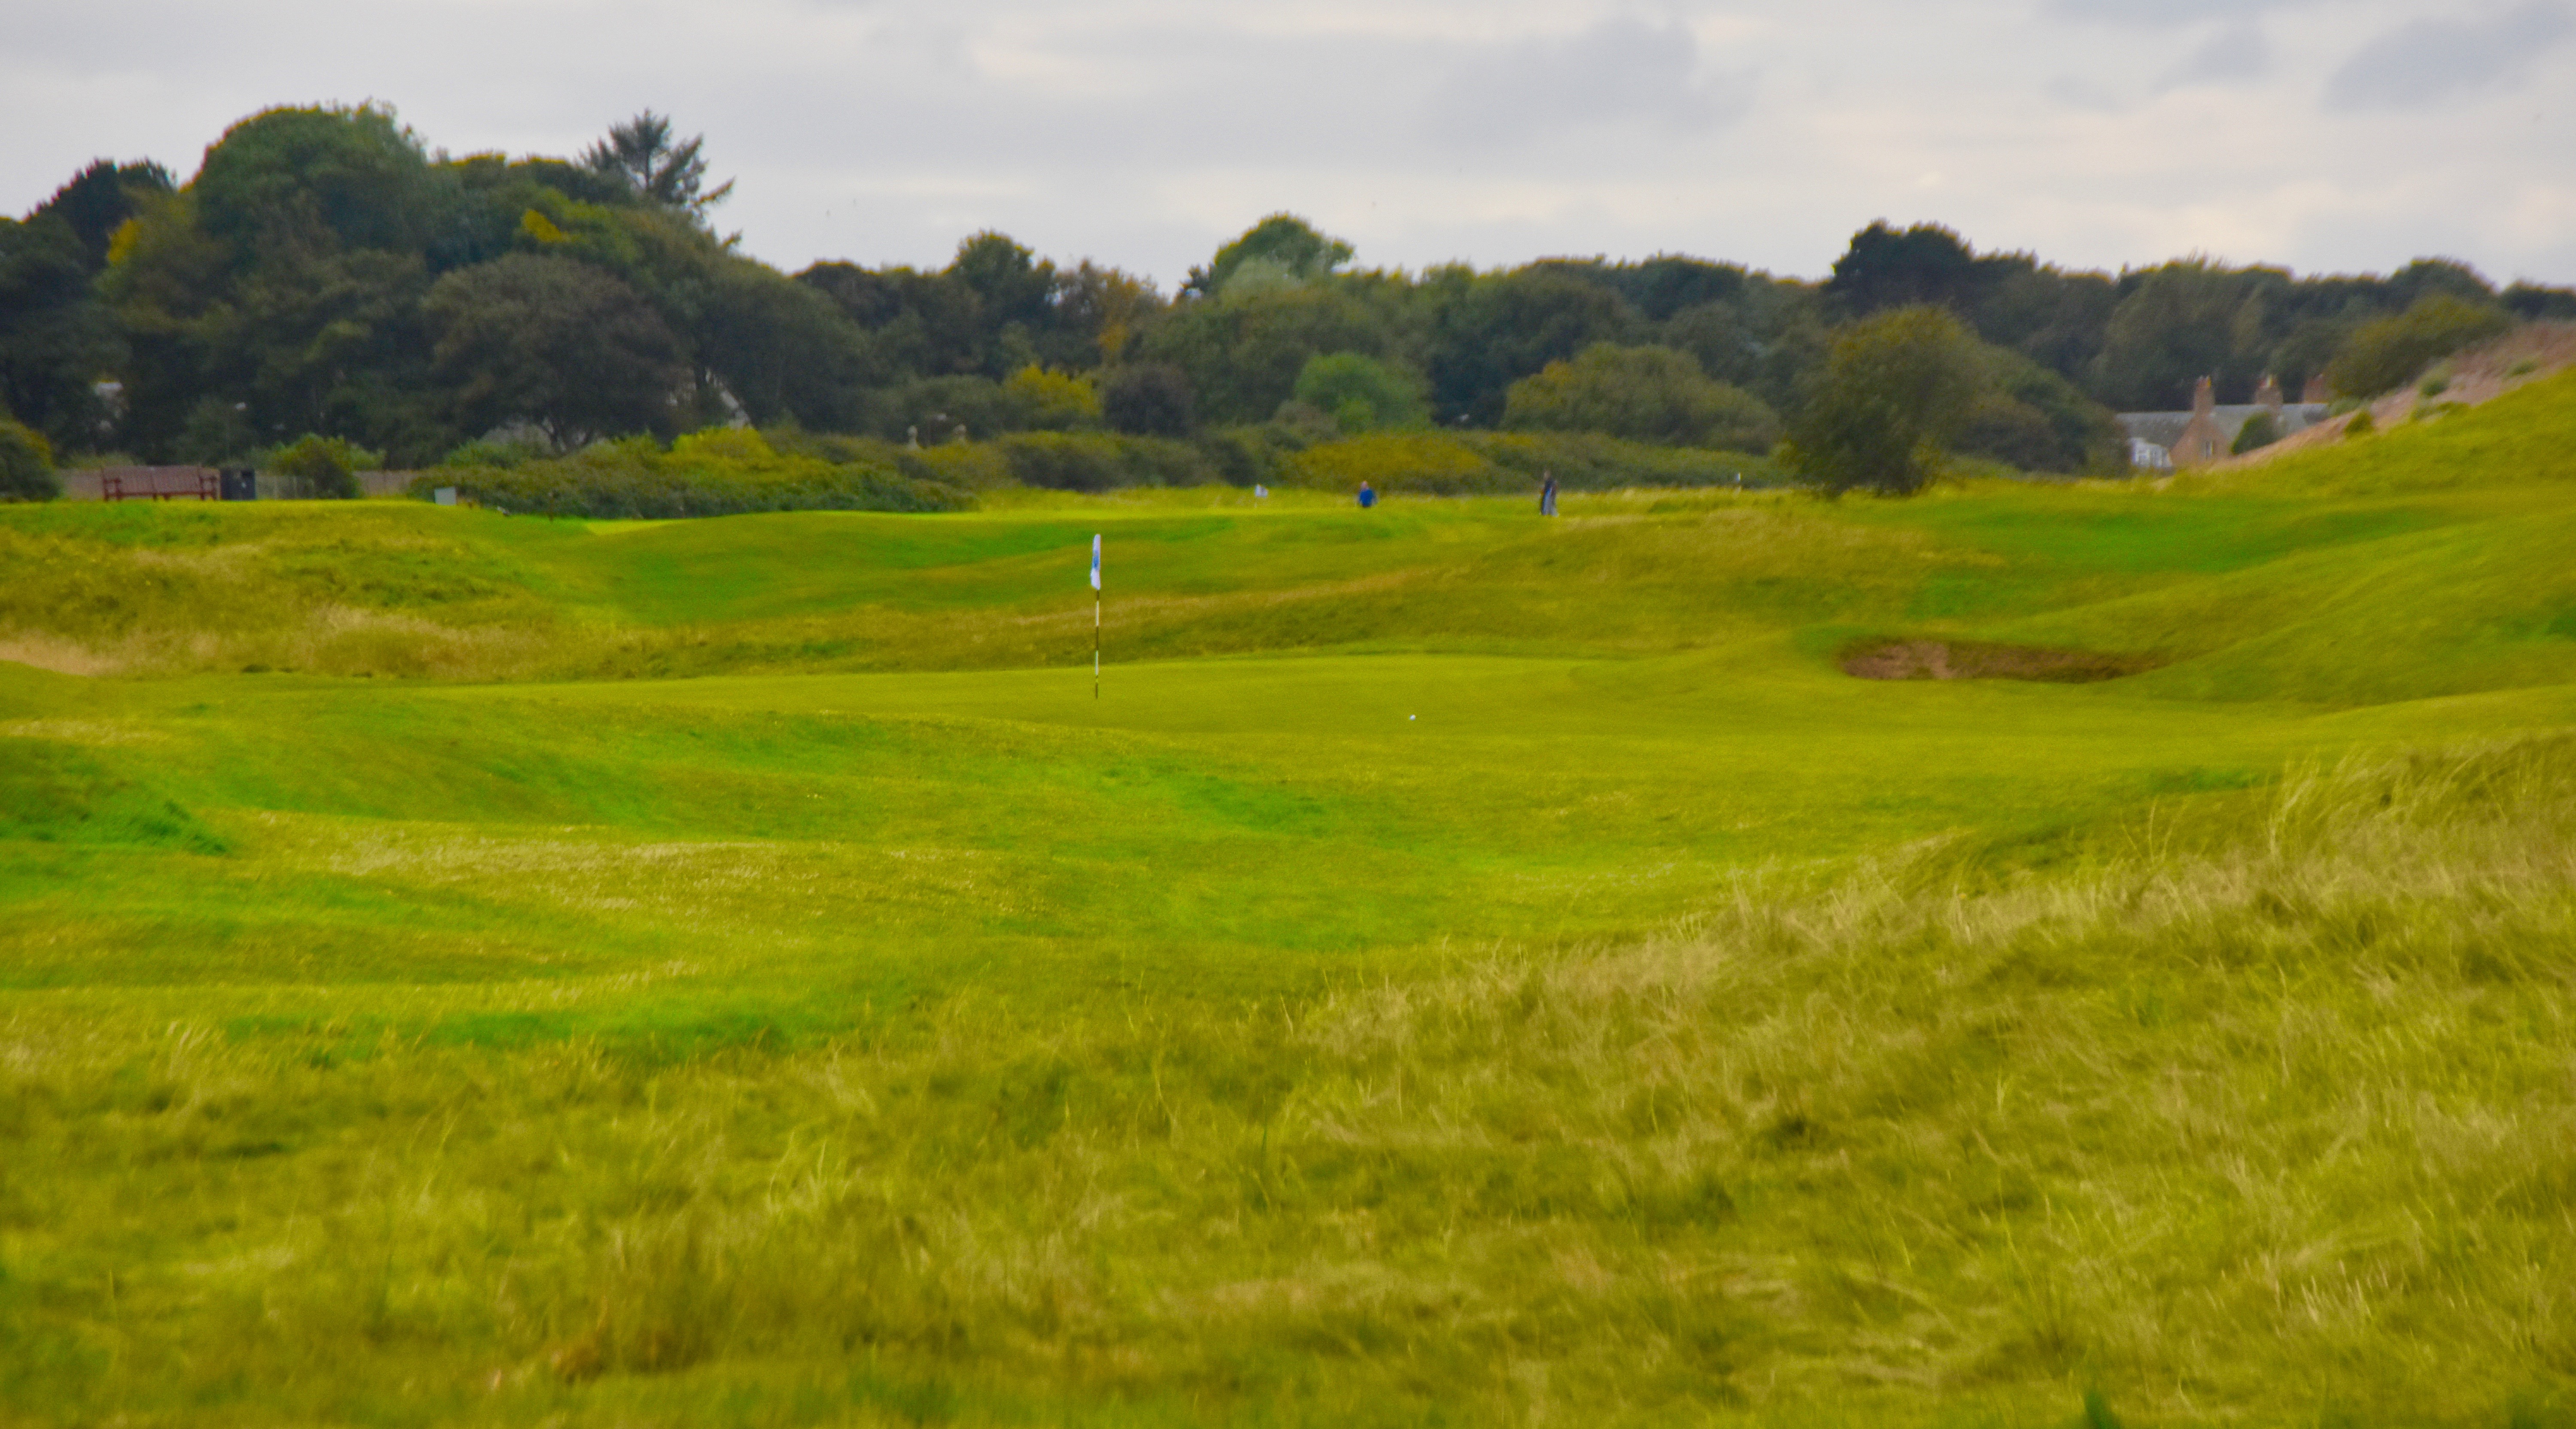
(1547, 495)
(1368, 496)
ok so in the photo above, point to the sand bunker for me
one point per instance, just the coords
(1977, 660)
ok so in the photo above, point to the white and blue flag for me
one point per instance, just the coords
(1095, 563)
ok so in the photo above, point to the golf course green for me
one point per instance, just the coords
(1459, 968)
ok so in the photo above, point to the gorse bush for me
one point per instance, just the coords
(1491, 463)
(2259, 431)
(1053, 401)
(1362, 394)
(1640, 394)
(327, 467)
(1091, 461)
(725, 472)
(26, 464)
(2383, 356)
(717, 473)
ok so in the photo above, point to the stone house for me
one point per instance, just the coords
(2165, 441)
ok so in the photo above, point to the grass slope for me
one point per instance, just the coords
(1463, 968)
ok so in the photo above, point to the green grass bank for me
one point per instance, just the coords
(1461, 968)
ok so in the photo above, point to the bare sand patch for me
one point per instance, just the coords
(63, 657)
(1982, 660)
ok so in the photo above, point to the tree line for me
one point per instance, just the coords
(326, 274)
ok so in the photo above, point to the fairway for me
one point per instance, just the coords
(1460, 968)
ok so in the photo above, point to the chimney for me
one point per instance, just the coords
(2317, 390)
(2269, 394)
(2203, 401)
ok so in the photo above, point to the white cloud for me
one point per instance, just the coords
(2430, 61)
(1146, 132)
(2236, 54)
(1617, 70)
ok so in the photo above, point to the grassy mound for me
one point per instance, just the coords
(1460, 967)
(2236, 1104)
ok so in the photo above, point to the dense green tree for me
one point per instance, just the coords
(2177, 325)
(1490, 331)
(1662, 285)
(924, 324)
(2429, 277)
(56, 338)
(1895, 391)
(641, 156)
(1243, 350)
(1282, 246)
(784, 350)
(1644, 394)
(1009, 283)
(1765, 339)
(1883, 268)
(1098, 310)
(1052, 401)
(26, 464)
(2055, 319)
(215, 433)
(1362, 394)
(2532, 301)
(327, 466)
(2384, 355)
(2259, 431)
(286, 280)
(995, 309)
(1150, 399)
(939, 409)
(2010, 300)
(2029, 417)
(555, 343)
(98, 201)
(324, 178)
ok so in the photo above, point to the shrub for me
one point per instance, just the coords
(1361, 393)
(1147, 399)
(2038, 421)
(1429, 462)
(1091, 461)
(2259, 431)
(935, 408)
(2361, 424)
(327, 466)
(963, 466)
(2436, 382)
(26, 464)
(1895, 392)
(1051, 401)
(1643, 394)
(1493, 463)
(2380, 356)
(503, 452)
(1243, 456)
(715, 473)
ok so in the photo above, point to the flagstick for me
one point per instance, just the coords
(1095, 643)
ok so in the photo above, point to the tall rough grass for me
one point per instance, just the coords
(2255, 1107)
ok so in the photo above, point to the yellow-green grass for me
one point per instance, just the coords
(1461, 968)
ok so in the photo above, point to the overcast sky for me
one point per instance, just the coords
(2327, 135)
